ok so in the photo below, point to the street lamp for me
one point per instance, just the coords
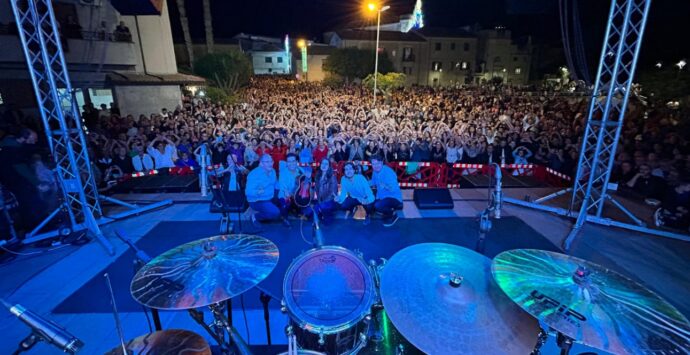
(681, 64)
(374, 7)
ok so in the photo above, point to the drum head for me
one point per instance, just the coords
(328, 290)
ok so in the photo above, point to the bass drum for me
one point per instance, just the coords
(328, 294)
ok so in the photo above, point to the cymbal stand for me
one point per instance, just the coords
(541, 340)
(564, 342)
(374, 332)
(220, 320)
(198, 316)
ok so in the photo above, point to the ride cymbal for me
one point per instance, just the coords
(591, 304)
(204, 271)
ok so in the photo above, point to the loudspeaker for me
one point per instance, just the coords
(138, 7)
(433, 199)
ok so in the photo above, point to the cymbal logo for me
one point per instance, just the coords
(561, 309)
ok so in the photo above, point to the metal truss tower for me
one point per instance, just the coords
(59, 111)
(623, 39)
(609, 100)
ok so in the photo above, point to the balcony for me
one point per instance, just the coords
(80, 47)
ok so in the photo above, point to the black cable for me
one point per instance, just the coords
(244, 315)
(148, 319)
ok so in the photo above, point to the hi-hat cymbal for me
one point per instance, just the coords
(591, 304)
(204, 271)
(443, 300)
(168, 342)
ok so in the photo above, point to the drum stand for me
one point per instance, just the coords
(541, 340)
(219, 327)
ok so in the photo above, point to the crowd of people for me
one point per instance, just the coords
(281, 119)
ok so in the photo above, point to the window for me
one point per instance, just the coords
(497, 59)
(436, 66)
(407, 54)
(268, 59)
(280, 59)
(518, 71)
(466, 47)
(515, 59)
(452, 46)
(407, 70)
(437, 46)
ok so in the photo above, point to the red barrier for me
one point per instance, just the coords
(419, 174)
(519, 169)
(554, 178)
(453, 173)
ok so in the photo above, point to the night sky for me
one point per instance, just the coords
(666, 37)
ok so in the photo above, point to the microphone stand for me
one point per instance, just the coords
(317, 236)
(141, 259)
(265, 298)
(27, 343)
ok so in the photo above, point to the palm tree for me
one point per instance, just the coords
(185, 32)
(208, 26)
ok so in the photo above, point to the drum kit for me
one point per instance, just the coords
(431, 298)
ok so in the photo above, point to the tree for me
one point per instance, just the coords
(385, 82)
(185, 32)
(208, 25)
(351, 63)
(227, 71)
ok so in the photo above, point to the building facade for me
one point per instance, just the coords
(111, 58)
(444, 57)
(407, 51)
(316, 55)
(499, 56)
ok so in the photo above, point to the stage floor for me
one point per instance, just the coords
(43, 282)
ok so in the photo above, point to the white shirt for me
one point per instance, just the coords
(144, 163)
(165, 159)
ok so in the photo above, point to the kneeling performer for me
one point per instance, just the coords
(388, 194)
(355, 191)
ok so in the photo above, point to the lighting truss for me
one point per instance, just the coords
(609, 99)
(41, 43)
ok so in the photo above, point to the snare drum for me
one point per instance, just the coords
(328, 294)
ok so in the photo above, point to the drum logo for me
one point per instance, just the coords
(327, 259)
(569, 314)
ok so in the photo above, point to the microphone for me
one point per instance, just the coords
(48, 331)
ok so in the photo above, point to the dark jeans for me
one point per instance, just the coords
(268, 209)
(350, 203)
(387, 206)
(285, 204)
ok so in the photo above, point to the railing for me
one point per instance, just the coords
(11, 29)
(422, 174)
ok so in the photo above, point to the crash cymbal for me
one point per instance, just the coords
(443, 300)
(591, 304)
(204, 271)
(169, 342)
